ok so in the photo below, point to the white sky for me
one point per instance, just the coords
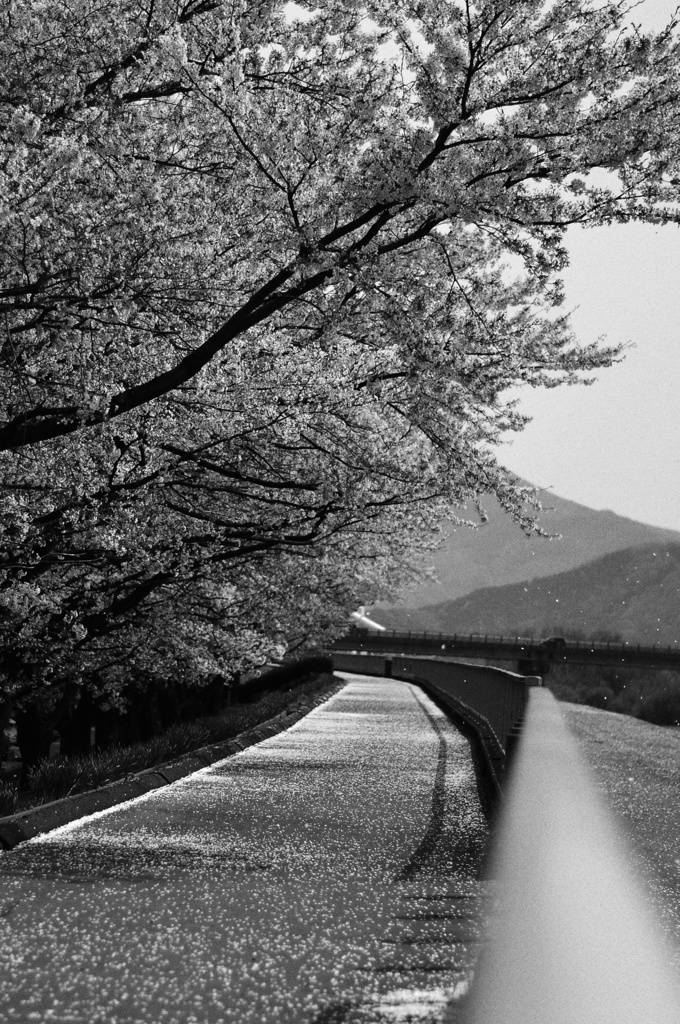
(616, 444)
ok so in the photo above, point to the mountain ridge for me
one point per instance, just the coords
(632, 593)
(498, 553)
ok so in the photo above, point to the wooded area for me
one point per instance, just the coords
(267, 274)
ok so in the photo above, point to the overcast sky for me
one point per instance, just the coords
(616, 444)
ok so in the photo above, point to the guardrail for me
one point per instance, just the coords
(573, 941)
(491, 701)
(496, 697)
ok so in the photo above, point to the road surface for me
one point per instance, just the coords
(327, 874)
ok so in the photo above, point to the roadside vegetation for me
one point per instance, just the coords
(62, 776)
(649, 694)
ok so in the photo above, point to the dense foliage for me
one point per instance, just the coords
(268, 271)
(644, 693)
(62, 776)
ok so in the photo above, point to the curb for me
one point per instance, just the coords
(36, 821)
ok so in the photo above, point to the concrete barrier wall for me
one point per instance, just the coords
(497, 696)
(363, 664)
(573, 941)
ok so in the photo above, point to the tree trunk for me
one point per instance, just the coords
(34, 736)
(75, 727)
(105, 728)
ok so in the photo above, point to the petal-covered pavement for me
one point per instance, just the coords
(325, 875)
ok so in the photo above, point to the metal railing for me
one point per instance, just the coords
(572, 941)
(511, 648)
(490, 701)
(495, 696)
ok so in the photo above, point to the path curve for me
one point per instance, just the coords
(327, 874)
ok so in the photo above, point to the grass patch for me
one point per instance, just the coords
(9, 797)
(65, 776)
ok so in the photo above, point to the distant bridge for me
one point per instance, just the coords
(531, 656)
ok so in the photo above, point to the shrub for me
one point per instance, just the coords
(64, 776)
(660, 700)
(599, 697)
(649, 694)
(59, 777)
(661, 709)
(9, 795)
(285, 676)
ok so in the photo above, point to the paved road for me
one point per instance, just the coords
(325, 875)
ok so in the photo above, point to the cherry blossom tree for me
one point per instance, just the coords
(182, 180)
(268, 273)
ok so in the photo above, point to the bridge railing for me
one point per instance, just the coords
(572, 941)
(389, 636)
(511, 648)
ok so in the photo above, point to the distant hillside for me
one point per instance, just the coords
(499, 552)
(633, 593)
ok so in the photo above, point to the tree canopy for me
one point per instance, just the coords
(268, 273)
